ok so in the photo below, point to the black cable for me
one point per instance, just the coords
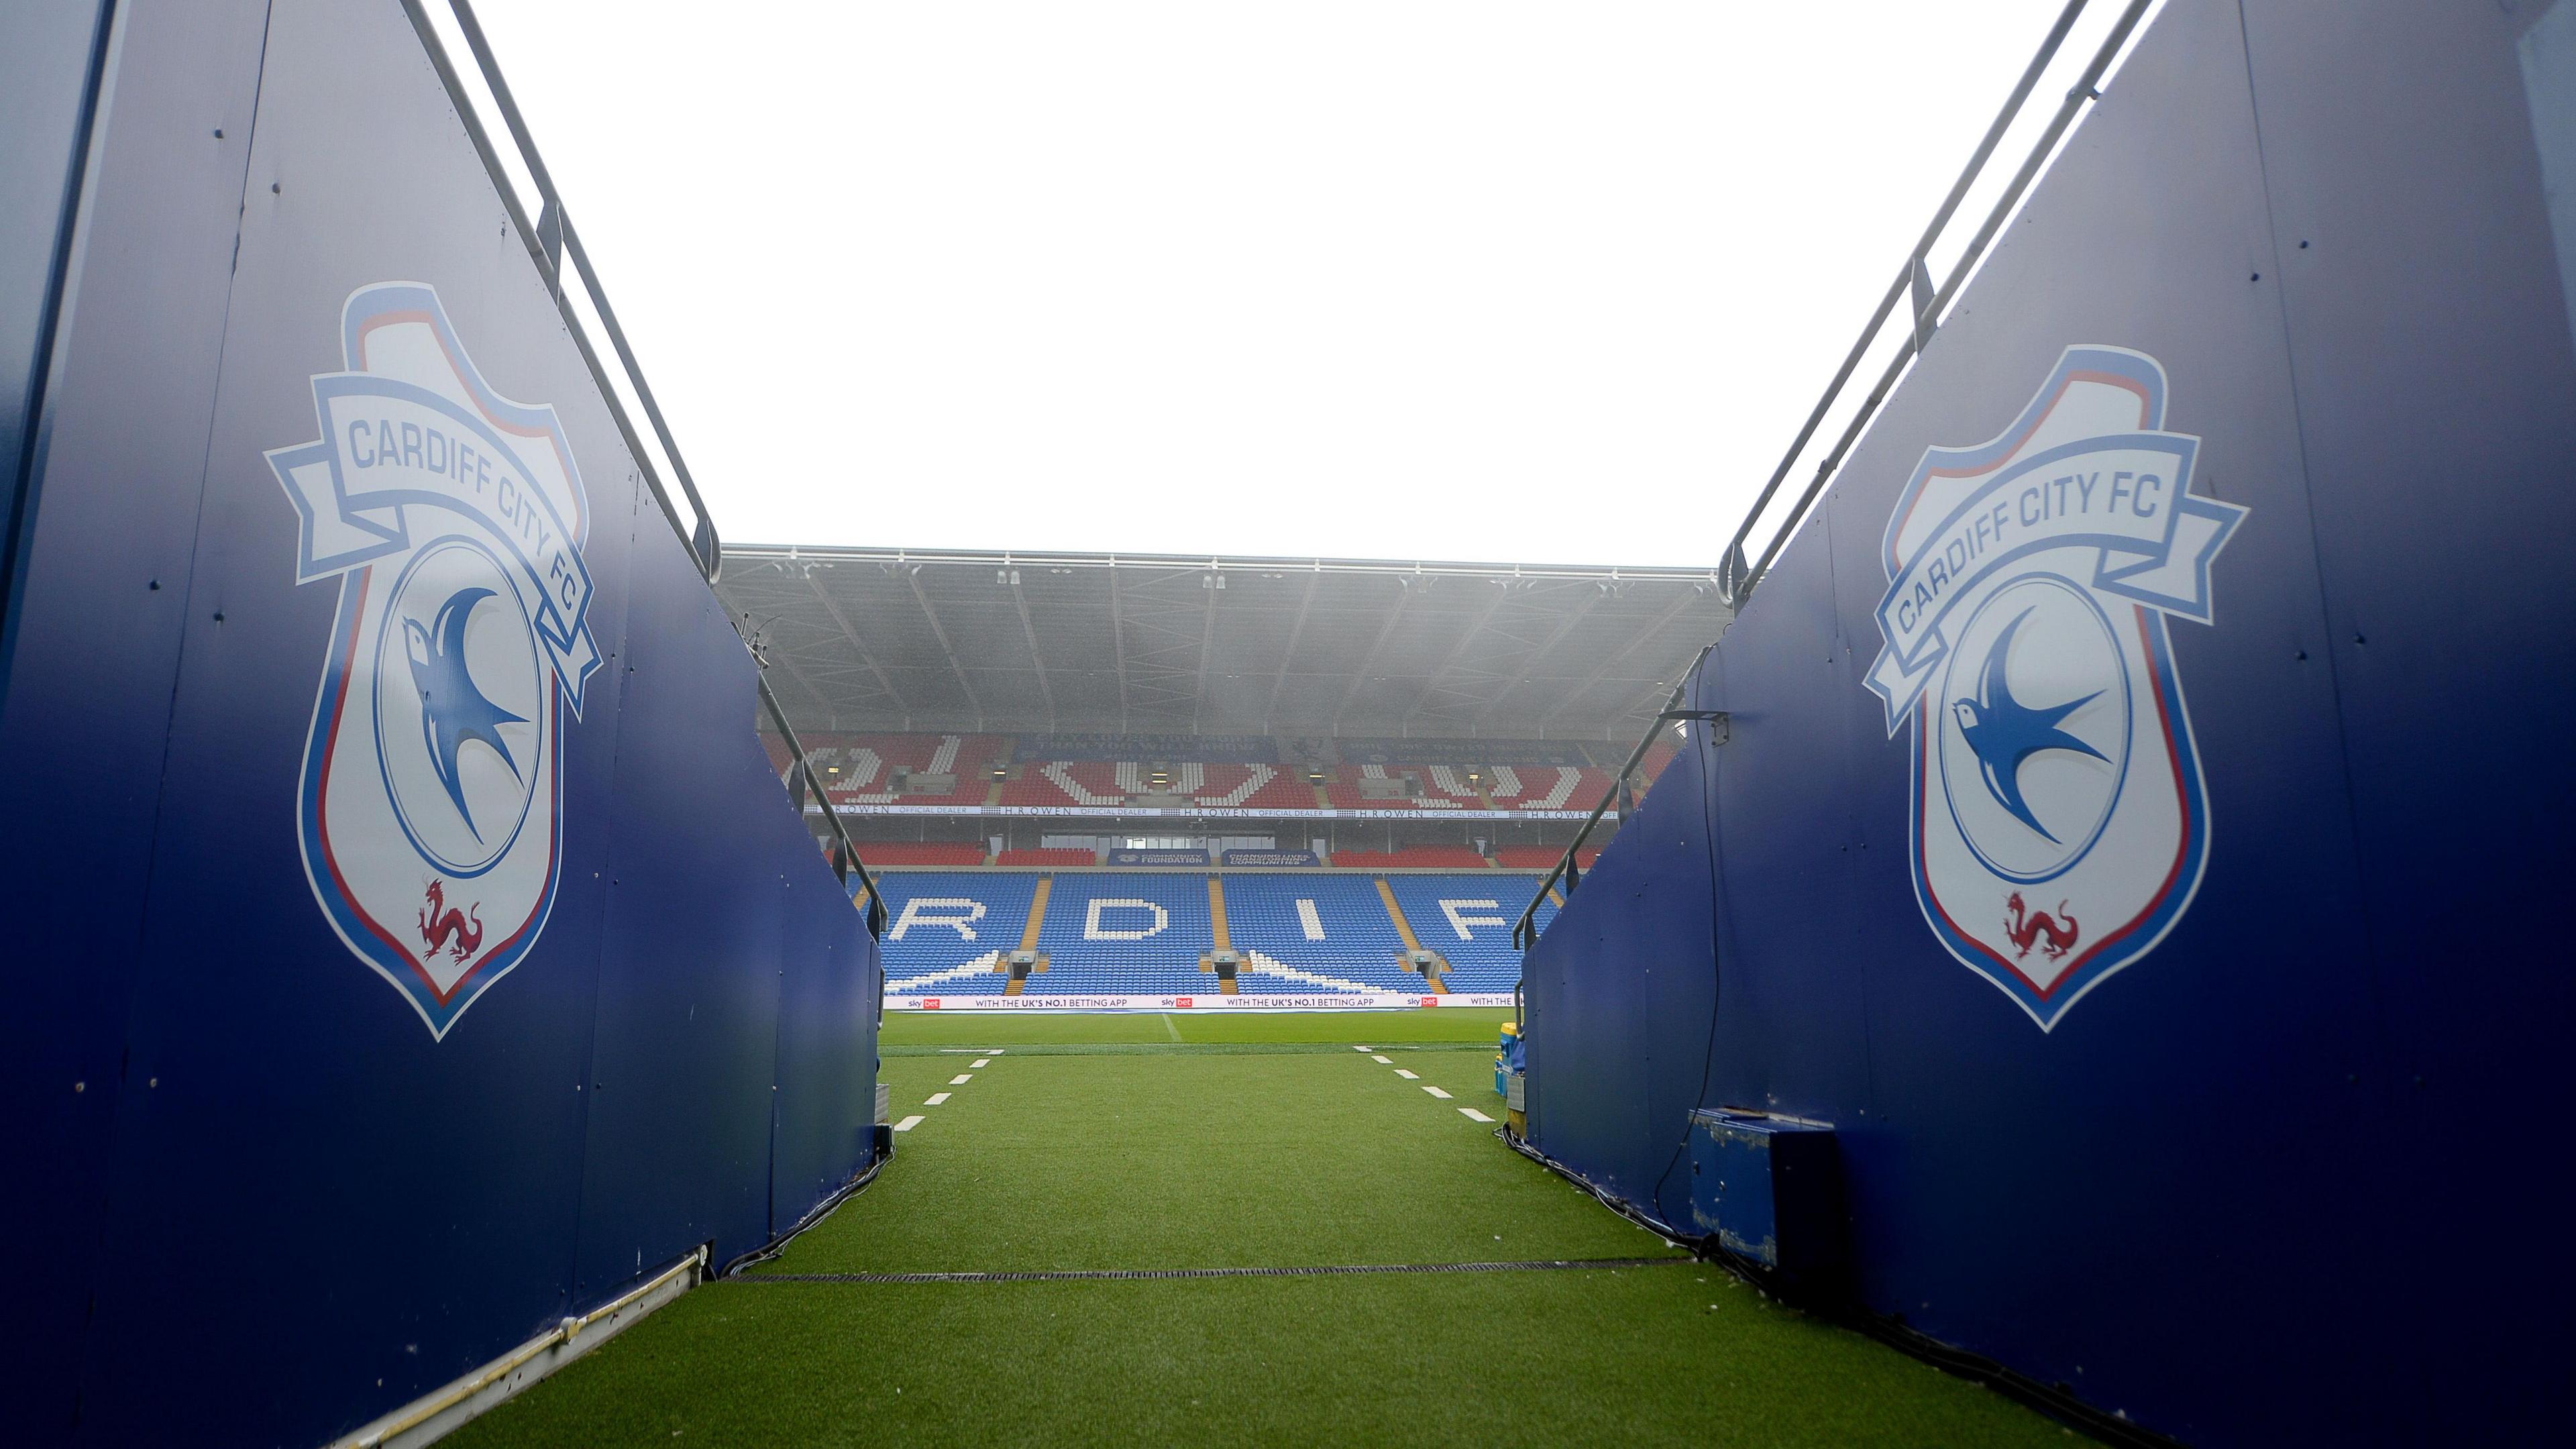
(1708, 1056)
(814, 1216)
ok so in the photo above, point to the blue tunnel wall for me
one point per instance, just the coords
(260, 1192)
(2284, 1176)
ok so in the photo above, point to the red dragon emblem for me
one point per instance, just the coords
(2061, 931)
(444, 925)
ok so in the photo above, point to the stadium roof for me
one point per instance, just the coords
(888, 639)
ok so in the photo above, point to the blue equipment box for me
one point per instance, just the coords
(1770, 1189)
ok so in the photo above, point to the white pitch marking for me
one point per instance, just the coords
(908, 1123)
(1475, 1116)
(1383, 1061)
(1408, 1076)
(1363, 1049)
(961, 1079)
(981, 1062)
(935, 1099)
(1435, 1091)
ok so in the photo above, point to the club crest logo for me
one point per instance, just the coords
(430, 806)
(2059, 823)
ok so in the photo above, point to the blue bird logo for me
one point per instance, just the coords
(452, 710)
(2004, 732)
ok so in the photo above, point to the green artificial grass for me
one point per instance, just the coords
(1674, 1355)
(1099, 1143)
(1057, 1163)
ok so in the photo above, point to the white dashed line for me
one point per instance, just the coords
(908, 1123)
(1435, 1091)
(981, 1062)
(1408, 1076)
(1473, 1115)
(935, 1099)
(961, 1079)
(1383, 1061)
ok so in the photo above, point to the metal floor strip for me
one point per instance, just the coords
(1093, 1275)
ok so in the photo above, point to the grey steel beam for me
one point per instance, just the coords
(1118, 638)
(884, 680)
(1616, 657)
(1394, 617)
(787, 661)
(1029, 627)
(1457, 651)
(1208, 584)
(1295, 631)
(1529, 662)
(912, 575)
(1247, 563)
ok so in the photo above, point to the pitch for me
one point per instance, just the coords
(1101, 1144)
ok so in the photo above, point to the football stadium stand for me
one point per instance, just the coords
(1050, 856)
(1413, 857)
(1330, 931)
(1126, 934)
(951, 935)
(1103, 784)
(920, 769)
(897, 852)
(1469, 922)
(1384, 787)
(1122, 933)
(1454, 787)
(1541, 857)
(916, 769)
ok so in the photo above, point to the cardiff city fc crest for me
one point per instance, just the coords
(453, 518)
(2059, 822)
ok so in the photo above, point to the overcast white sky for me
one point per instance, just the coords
(1494, 281)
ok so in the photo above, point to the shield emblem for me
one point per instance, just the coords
(2058, 820)
(430, 806)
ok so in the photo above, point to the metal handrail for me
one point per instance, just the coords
(551, 240)
(1929, 304)
(1525, 930)
(801, 782)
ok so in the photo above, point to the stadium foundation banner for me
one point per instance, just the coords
(2190, 685)
(1237, 859)
(1211, 1002)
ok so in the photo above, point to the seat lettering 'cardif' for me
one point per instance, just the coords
(430, 809)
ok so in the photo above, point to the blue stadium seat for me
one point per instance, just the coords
(1135, 935)
(1359, 942)
(934, 925)
(1468, 919)
(1149, 930)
